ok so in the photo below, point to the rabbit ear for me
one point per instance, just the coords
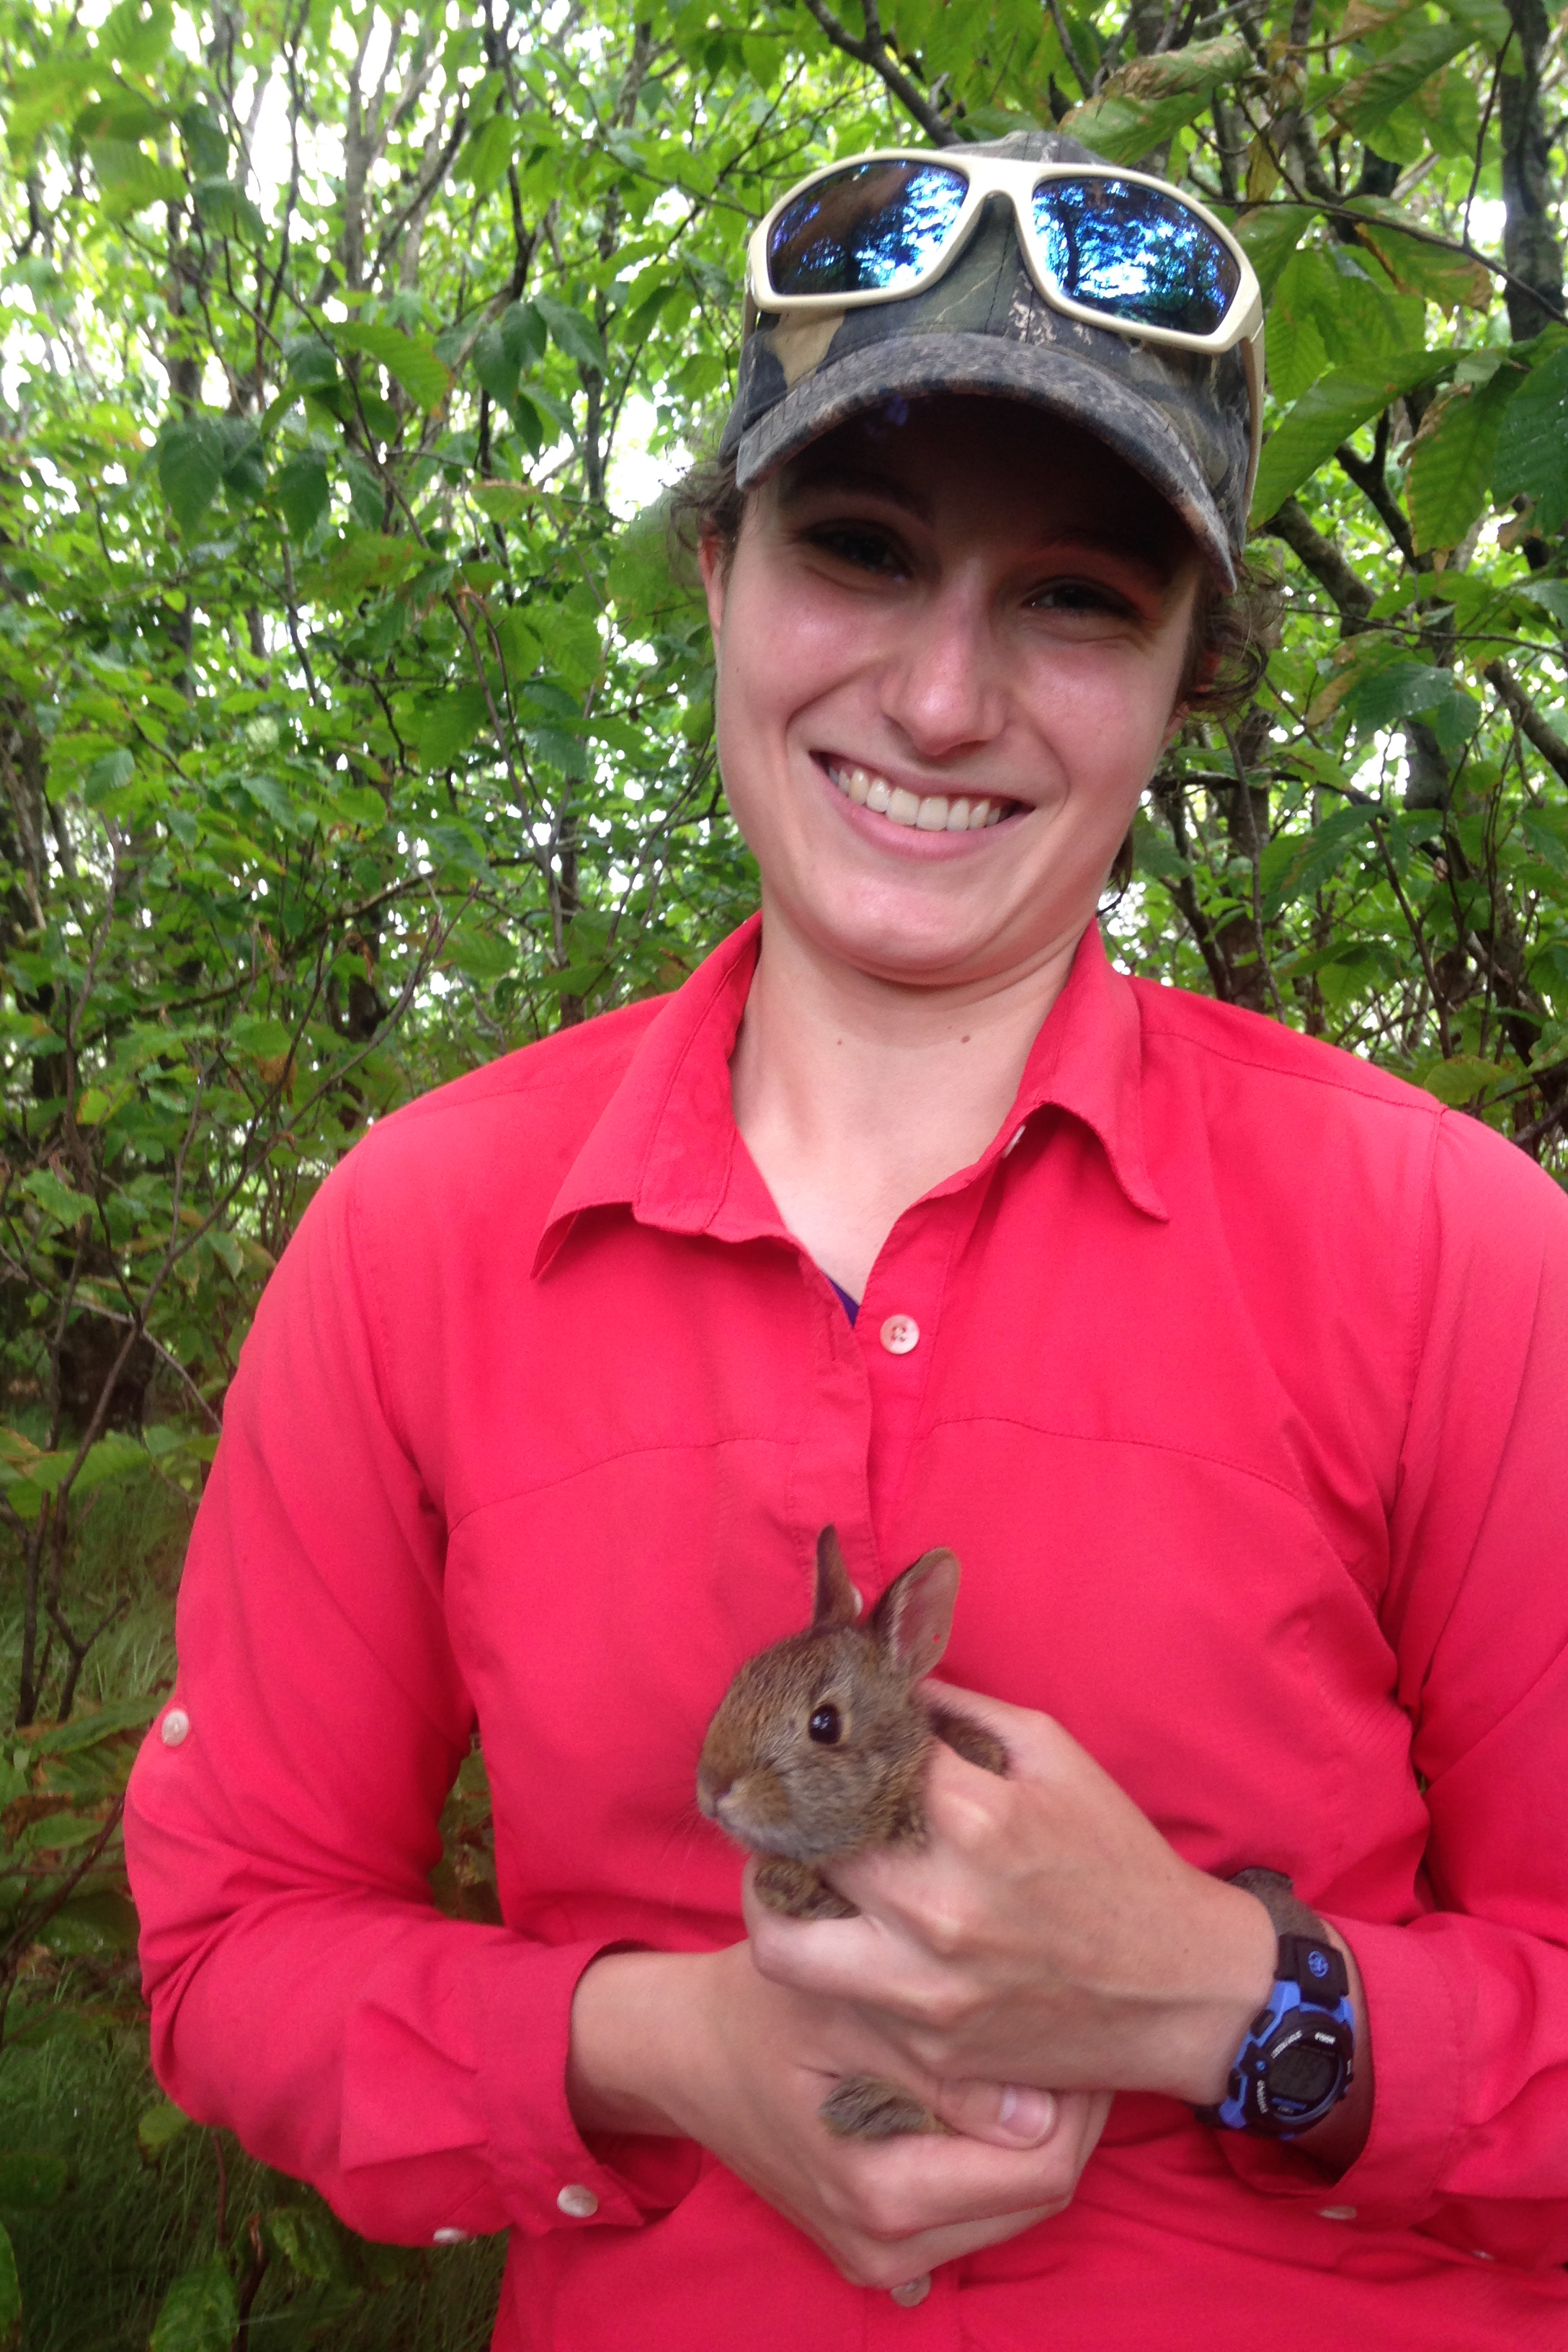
(914, 1617)
(837, 1602)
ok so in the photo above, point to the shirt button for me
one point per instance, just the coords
(174, 1728)
(913, 2291)
(900, 1333)
(579, 2202)
(448, 2237)
(1336, 2212)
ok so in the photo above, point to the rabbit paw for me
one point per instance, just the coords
(970, 1741)
(799, 1890)
(861, 2107)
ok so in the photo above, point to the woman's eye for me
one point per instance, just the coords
(1076, 596)
(866, 550)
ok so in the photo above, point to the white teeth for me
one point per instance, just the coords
(926, 811)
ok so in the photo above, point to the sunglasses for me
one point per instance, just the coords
(1117, 250)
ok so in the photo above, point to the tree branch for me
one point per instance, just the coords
(873, 51)
(1325, 559)
(1527, 719)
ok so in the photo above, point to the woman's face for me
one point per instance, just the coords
(949, 651)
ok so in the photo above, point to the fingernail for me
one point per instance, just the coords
(1027, 2113)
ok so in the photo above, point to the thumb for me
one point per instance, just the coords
(1008, 2114)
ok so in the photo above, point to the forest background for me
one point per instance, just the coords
(356, 728)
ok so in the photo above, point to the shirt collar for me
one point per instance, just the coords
(666, 1144)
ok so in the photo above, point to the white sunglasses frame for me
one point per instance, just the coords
(1017, 179)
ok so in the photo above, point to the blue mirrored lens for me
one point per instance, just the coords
(879, 225)
(1135, 254)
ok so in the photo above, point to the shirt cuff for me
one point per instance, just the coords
(1417, 2063)
(546, 2174)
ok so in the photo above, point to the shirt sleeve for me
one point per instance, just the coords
(1467, 2000)
(283, 1817)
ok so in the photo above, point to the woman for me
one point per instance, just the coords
(1228, 1367)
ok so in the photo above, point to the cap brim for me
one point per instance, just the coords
(1056, 381)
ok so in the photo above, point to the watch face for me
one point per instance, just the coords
(1303, 2075)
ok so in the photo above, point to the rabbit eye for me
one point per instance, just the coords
(825, 1726)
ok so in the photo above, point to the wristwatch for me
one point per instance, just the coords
(1297, 2059)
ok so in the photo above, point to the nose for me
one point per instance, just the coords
(944, 686)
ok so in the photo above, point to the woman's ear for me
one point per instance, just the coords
(713, 563)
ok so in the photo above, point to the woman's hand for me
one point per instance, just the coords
(1046, 1933)
(701, 2045)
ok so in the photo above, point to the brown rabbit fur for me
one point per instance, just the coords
(818, 1749)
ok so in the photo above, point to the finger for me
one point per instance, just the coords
(866, 2262)
(1004, 2115)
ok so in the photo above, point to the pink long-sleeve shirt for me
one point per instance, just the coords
(1238, 1384)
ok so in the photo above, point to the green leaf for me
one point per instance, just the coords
(493, 366)
(93, 1106)
(306, 2243)
(1453, 280)
(311, 362)
(1155, 97)
(86, 1731)
(524, 334)
(479, 955)
(56, 1833)
(109, 774)
(57, 1199)
(425, 379)
(157, 2126)
(1396, 690)
(262, 1038)
(1450, 470)
(227, 210)
(502, 502)
(447, 724)
(92, 1925)
(30, 2181)
(10, 2296)
(1269, 234)
(1367, 102)
(1552, 593)
(577, 337)
(1328, 414)
(200, 2313)
(302, 491)
(1462, 1078)
(1532, 446)
(190, 468)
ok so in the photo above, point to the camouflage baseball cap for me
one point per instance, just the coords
(1182, 419)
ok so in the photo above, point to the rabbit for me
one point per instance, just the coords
(819, 1748)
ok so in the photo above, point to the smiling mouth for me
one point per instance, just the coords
(923, 812)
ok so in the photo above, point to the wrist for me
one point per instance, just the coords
(1228, 1962)
(631, 2015)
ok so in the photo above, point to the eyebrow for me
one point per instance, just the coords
(836, 477)
(855, 480)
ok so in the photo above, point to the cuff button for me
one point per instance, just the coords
(448, 2237)
(579, 2202)
(1336, 2212)
(175, 1727)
